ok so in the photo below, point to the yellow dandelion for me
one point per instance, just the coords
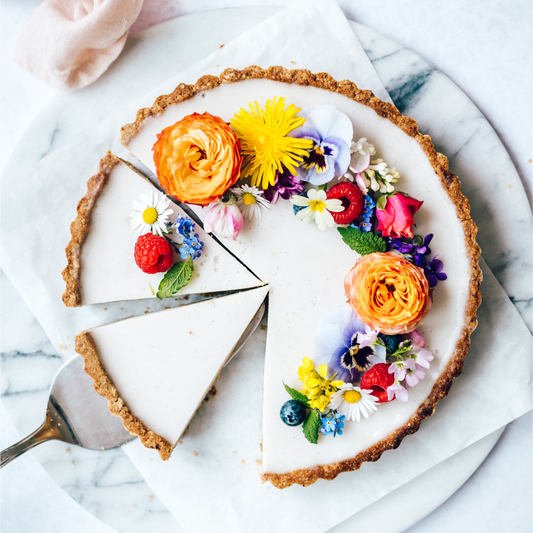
(264, 142)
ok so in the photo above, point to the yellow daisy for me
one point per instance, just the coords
(264, 142)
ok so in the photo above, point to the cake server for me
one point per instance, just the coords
(77, 415)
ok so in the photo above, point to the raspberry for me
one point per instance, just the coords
(153, 254)
(352, 200)
(378, 379)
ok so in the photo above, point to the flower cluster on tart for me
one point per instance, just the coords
(307, 162)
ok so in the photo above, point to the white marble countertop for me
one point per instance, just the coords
(485, 48)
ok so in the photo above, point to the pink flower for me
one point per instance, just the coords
(397, 391)
(224, 218)
(401, 368)
(423, 357)
(396, 219)
(414, 375)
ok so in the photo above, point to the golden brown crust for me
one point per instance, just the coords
(80, 227)
(104, 387)
(450, 184)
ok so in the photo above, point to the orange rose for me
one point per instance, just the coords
(197, 159)
(388, 293)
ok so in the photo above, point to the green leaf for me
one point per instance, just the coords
(311, 426)
(362, 242)
(176, 278)
(295, 395)
(382, 202)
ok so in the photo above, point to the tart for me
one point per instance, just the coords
(311, 273)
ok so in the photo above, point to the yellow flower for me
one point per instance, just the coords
(317, 387)
(265, 145)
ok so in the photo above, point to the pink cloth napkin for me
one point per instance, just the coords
(71, 43)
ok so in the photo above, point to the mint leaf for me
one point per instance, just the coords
(295, 395)
(311, 426)
(176, 278)
(362, 242)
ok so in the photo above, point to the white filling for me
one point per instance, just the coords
(164, 363)
(108, 269)
(305, 268)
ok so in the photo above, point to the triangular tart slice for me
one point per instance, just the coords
(101, 266)
(143, 365)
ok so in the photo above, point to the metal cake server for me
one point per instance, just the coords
(77, 415)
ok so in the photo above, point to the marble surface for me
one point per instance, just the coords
(24, 337)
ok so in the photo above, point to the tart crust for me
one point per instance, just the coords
(80, 227)
(449, 182)
(104, 387)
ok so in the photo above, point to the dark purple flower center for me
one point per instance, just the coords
(317, 158)
(356, 357)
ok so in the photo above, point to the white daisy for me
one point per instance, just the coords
(150, 213)
(352, 402)
(250, 200)
(317, 207)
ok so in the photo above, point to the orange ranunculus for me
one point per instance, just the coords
(388, 293)
(197, 159)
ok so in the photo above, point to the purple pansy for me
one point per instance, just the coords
(331, 132)
(345, 344)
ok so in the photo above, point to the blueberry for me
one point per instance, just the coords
(292, 413)
(391, 341)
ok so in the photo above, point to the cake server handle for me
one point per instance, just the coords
(48, 431)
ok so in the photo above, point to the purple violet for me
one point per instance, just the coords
(433, 272)
(285, 186)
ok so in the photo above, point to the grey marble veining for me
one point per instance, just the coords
(107, 484)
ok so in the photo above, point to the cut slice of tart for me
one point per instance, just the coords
(101, 265)
(306, 267)
(156, 369)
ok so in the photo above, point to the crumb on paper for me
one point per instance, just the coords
(63, 346)
(509, 185)
(105, 308)
(243, 461)
(261, 443)
(263, 327)
(222, 46)
(150, 496)
(259, 462)
(122, 308)
(67, 449)
(293, 62)
(71, 462)
(146, 312)
(195, 454)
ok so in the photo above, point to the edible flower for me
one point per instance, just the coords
(190, 241)
(388, 293)
(396, 215)
(197, 159)
(317, 386)
(352, 402)
(346, 345)
(285, 185)
(433, 272)
(396, 390)
(361, 152)
(250, 201)
(330, 132)
(150, 213)
(266, 147)
(317, 207)
(224, 218)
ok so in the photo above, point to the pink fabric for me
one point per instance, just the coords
(71, 43)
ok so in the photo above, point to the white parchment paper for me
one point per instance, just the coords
(212, 481)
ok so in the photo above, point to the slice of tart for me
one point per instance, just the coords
(101, 264)
(156, 369)
(306, 268)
